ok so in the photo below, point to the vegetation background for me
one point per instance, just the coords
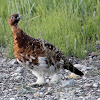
(71, 25)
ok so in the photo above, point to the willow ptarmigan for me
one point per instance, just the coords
(41, 57)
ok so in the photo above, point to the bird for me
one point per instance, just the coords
(38, 55)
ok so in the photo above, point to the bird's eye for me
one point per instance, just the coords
(12, 17)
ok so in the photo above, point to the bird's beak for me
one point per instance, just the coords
(19, 17)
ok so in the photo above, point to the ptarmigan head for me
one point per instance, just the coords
(14, 19)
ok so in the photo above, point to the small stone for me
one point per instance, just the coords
(90, 59)
(81, 98)
(12, 62)
(84, 77)
(16, 74)
(98, 99)
(41, 94)
(80, 66)
(86, 68)
(20, 70)
(4, 60)
(87, 85)
(72, 82)
(29, 96)
(94, 54)
(47, 80)
(18, 77)
(72, 75)
(68, 83)
(12, 99)
(50, 88)
(95, 85)
(36, 94)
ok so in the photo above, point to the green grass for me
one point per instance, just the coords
(72, 22)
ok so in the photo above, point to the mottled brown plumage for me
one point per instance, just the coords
(36, 54)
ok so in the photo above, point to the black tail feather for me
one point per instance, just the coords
(71, 68)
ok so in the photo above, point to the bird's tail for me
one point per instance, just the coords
(71, 68)
(67, 65)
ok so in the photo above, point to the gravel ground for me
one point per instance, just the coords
(14, 79)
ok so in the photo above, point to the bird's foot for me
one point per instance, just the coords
(40, 82)
(54, 79)
(36, 85)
